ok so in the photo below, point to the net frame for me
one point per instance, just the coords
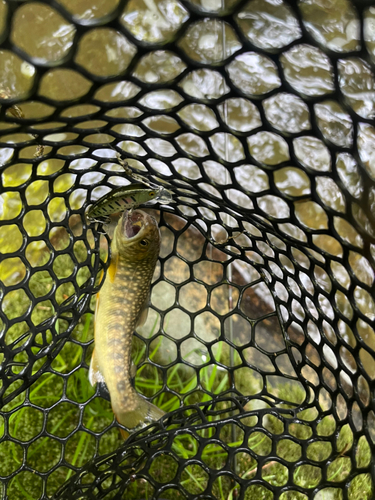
(274, 247)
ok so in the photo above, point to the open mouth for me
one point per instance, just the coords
(133, 224)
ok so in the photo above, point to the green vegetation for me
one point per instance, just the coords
(26, 423)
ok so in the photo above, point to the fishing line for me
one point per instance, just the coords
(128, 169)
(230, 332)
(101, 209)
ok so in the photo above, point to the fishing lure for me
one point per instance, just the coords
(125, 198)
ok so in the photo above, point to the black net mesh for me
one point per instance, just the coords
(260, 337)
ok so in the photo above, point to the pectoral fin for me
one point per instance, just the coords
(112, 269)
(94, 373)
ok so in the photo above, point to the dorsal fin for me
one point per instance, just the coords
(144, 312)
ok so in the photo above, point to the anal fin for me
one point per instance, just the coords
(95, 374)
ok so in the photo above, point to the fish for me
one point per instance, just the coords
(121, 306)
(126, 197)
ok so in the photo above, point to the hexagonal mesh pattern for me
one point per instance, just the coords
(260, 339)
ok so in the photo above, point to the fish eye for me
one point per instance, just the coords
(152, 193)
(144, 243)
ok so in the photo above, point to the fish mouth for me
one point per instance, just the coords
(133, 223)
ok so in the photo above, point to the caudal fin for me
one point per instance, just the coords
(144, 414)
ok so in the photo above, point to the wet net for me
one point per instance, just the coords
(260, 338)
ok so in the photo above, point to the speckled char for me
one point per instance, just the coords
(120, 309)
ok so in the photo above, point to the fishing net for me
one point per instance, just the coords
(257, 116)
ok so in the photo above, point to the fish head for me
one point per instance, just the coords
(138, 236)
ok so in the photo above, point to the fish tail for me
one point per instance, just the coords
(142, 414)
